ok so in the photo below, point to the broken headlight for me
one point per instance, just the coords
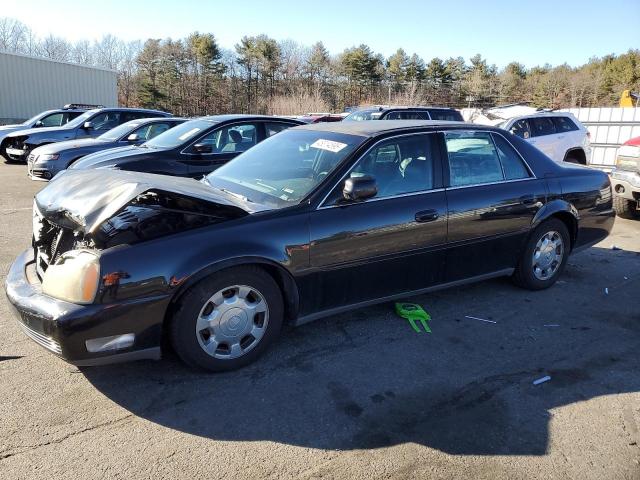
(73, 278)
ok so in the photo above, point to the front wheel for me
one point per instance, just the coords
(625, 208)
(227, 320)
(544, 257)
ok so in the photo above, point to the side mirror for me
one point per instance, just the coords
(359, 188)
(38, 124)
(87, 125)
(203, 148)
(133, 137)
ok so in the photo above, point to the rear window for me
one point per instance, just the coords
(407, 115)
(564, 124)
(447, 115)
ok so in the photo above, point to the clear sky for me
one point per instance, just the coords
(531, 32)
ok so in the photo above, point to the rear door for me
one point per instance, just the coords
(492, 198)
(568, 134)
(544, 137)
(391, 243)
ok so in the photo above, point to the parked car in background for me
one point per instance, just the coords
(45, 162)
(558, 134)
(192, 149)
(90, 124)
(404, 113)
(320, 117)
(625, 178)
(314, 221)
(46, 119)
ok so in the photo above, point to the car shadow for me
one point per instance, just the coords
(367, 380)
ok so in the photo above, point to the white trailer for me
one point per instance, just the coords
(29, 85)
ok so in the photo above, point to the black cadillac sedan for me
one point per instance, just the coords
(47, 161)
(317, 220)
(193, 149)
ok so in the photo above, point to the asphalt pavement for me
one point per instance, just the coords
(356, 396)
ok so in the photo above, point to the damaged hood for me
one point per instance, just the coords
(87, 198)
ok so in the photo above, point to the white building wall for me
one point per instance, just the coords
(29, 85)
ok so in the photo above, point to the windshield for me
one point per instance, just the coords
(285, 168)
(35, 118)
(363, 115)
(179, 135)
(76, 122)
(119, 131)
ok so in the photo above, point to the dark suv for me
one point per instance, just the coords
(405, 113)
(92, 123)
(47, 119)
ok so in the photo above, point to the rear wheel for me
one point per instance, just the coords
(625, 208)
(227, 320)
(544, 257)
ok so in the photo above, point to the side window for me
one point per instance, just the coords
(400, 165)
(275, 127)
(564, 124)
(541, 126)
(447, 115)
(521, 129)
(142, 132)
(156, 129)
(53, 120)
(231, 139)
(106, 120)
(71, 115)
(512, 165)
(407, 115)
(473, 158)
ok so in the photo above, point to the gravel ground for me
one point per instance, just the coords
(358, 395)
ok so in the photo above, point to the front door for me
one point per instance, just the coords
(386, 245)
(492, 199)
(225, 144)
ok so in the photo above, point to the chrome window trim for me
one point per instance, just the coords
(322, 206)
(377, 199)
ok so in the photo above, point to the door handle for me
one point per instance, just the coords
(530, 200)
(427, 216)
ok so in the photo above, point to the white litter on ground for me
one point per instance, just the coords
(542, 380)
(480, 319)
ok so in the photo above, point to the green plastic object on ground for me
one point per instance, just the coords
(413, 313)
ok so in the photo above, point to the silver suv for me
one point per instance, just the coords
(558, 134)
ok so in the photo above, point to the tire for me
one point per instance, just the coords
(532, 278)
(625, 208)
(573, 158)
(245, 313)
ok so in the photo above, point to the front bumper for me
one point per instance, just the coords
(16, 153)
(63, 328)
(42, 170)
(626, 184)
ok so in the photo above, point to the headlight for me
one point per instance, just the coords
(48, 156)
(73, 278)
(628, 158)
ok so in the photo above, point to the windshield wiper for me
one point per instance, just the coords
(237, 195)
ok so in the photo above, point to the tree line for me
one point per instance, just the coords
(196, 76)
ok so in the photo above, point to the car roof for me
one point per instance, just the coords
(399, 107)
(372, 128)
(126, 109)
(243, 116)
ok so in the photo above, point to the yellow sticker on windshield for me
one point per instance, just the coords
(328, 145)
